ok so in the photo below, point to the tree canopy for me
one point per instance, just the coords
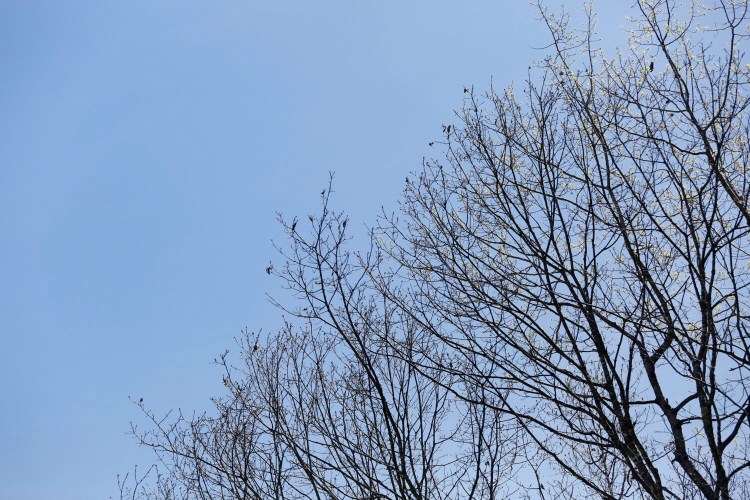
(558, 309)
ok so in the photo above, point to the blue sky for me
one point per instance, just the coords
(145, 147)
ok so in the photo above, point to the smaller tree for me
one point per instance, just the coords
(325, 409)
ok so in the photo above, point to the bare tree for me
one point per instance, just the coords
(560, 309)
(583, 252)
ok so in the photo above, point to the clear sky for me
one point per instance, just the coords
(145, 147)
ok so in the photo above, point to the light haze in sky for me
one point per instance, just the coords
(145, 148)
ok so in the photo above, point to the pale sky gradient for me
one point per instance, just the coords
(145, 147)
